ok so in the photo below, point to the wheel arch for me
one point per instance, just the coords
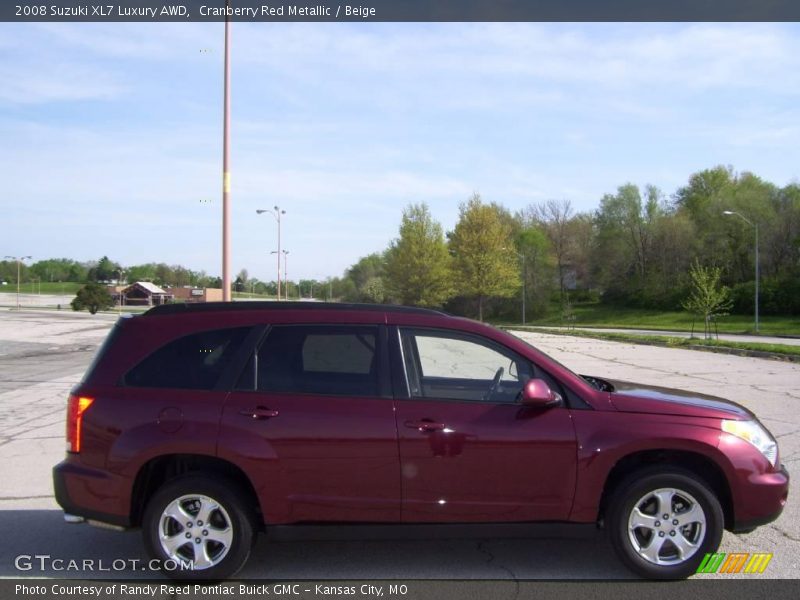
(698, 464)
(158, 470)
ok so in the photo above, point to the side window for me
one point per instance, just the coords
(316, 359)
(461, 367)
(193, 362)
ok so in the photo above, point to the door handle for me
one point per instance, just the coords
(259, 412)
(425, 425)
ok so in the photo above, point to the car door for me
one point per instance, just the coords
(469, 451)
(312, 417)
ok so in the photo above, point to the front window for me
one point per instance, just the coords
(456, 366)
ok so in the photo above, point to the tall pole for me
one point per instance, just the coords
(226, 173)
(277, 212)
(19, 260)
(524, 283)
(285, 271)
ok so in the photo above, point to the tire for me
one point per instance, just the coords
(174, 530)
(658, 548)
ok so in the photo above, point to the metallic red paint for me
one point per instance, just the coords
(394, 459)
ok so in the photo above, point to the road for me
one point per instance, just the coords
(42, 354)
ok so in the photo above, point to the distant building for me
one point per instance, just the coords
(145, 293)
(189, 294)
(141, 293)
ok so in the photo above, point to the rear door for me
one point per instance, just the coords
(469, 451)
(312, 419)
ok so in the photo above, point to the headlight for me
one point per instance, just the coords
(754, 432)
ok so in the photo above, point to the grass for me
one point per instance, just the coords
(49, 288)
(748, 348)
(249, 295)
(600, 315)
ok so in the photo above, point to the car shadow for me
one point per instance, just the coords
(39, 543)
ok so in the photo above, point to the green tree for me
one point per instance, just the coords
(104, 270)
(374, 290)
(533, 243)
(146, 272)
(708, 299)
(553, 217)
(481, 244)
(92, 297)
(361, 273)
(418, 263)
(626, 228)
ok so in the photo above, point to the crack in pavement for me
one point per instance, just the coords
(484, 550)
(784, 533)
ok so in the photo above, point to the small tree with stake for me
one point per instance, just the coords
(708, 298)
(92, 297)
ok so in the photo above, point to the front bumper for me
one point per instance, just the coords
(764, 501)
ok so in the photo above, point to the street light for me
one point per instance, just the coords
(19, 260)
(285, 273)
(276, 212)
(755, 226)
(524, 277)
(226, 168)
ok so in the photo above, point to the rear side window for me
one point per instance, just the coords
(193, 362)
(313, 359)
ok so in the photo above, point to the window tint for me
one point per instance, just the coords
(193, 362)
(461, 367)
(308, 359)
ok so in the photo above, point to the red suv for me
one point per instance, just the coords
(203, 424)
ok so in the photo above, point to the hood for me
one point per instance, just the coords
(636, 397)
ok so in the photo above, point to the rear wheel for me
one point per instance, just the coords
(199, 528)
(662, 523)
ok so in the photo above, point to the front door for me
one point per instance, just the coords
(312, 419)
(469, 451)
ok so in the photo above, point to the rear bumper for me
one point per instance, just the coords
(90, 493)
(765, 498)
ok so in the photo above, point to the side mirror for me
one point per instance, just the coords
(537, 394)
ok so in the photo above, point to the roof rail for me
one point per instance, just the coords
(200, 307)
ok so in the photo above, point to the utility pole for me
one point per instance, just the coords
(226, 173)
(19, 260)
(276, 212)
(285, 272)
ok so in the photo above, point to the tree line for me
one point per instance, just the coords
(635, 250)
(105, 270)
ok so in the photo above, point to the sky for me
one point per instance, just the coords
(111, 134)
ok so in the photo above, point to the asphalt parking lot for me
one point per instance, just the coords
(44, 353)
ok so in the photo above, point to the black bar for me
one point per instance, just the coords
(402, 10)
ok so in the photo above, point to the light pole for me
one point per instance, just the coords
(19, 260)
(276, 212)
(226, 173)
(755, 226)
(285, 273)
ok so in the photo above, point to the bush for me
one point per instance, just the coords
(775, 297)
(92, 297)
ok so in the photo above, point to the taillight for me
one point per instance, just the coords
(76, 406)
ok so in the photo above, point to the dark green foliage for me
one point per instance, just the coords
(92, 297)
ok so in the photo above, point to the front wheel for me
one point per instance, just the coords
(663, 523)
(199, 528)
